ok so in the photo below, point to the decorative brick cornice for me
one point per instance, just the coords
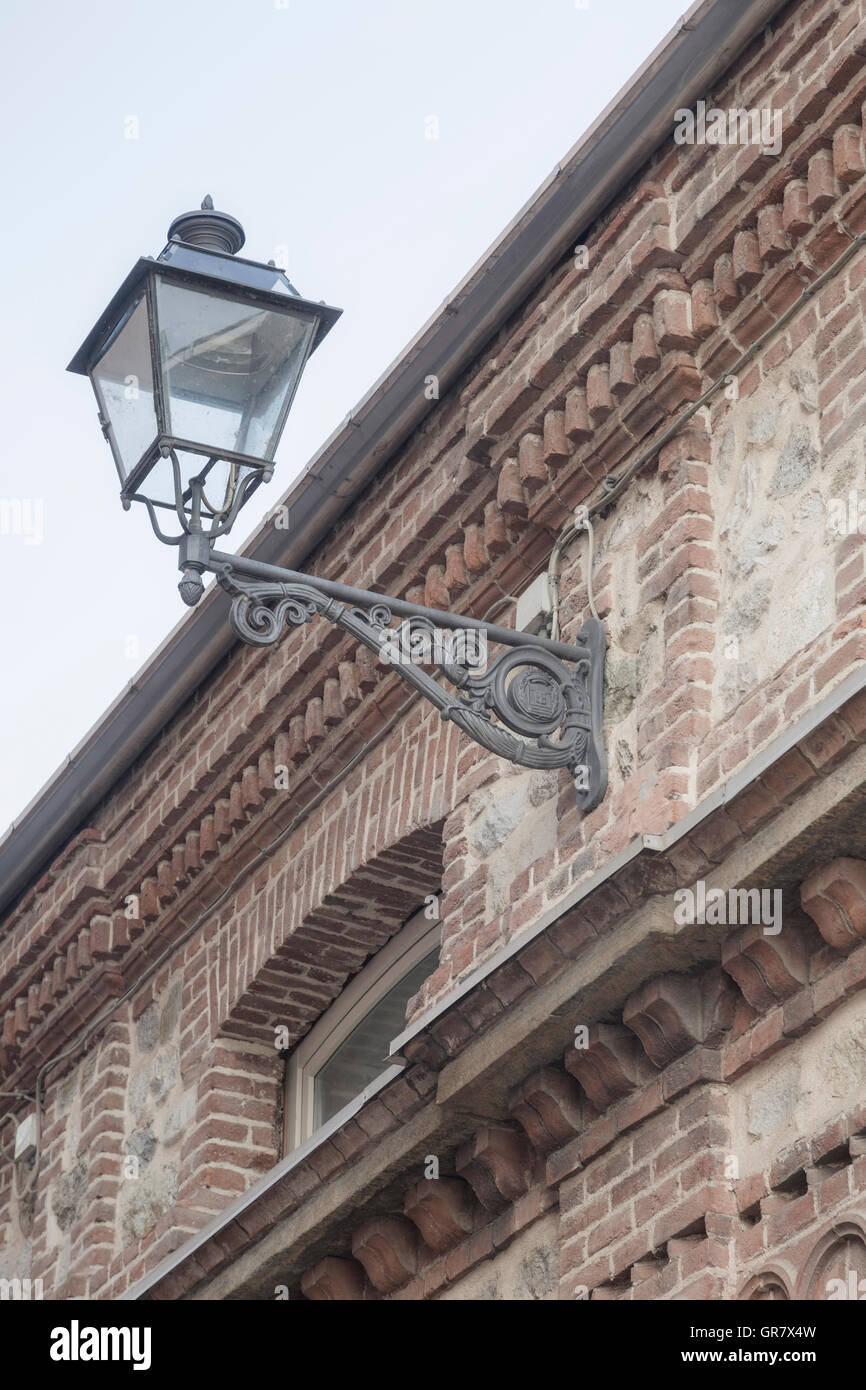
(835, 898)
(548, 1105)
(442, 1209)
(387, 1247)
(766, 968)
(608, 1066)
(497, 1165)
(334, 1280)
(685, 1245)
(673, 1013)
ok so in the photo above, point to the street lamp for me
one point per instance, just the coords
(194, 364)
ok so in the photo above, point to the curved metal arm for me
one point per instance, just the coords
(527, 691)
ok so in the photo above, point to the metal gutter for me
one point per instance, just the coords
(698, 49)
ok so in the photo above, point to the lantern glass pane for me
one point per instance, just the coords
(228, 368)
(123, 381)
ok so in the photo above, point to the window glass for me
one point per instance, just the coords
(363, 1055)
(346, 1050)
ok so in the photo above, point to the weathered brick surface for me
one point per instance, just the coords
(717, 646)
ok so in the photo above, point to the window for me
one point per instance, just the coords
(348, 1048)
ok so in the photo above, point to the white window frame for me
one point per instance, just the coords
(397, 957)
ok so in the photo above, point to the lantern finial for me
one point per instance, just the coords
(215, 231)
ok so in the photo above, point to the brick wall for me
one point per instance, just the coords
(710, 1144)
(732, 607)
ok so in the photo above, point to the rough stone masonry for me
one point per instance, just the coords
(621, 1105)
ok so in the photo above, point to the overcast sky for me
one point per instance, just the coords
(310, 121)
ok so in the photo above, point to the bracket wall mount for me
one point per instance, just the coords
(539, 704)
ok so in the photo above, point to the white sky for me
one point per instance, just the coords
(307, 120)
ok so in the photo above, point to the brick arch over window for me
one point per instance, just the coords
(836, 1268)
(298, 981)
(772, 1285)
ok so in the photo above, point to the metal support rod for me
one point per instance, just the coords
(507, 636)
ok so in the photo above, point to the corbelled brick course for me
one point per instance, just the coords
(305, 803)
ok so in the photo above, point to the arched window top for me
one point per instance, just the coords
(347, 1049)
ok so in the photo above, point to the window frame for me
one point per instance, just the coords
(415, 940)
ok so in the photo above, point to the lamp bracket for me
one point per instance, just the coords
(539, 705)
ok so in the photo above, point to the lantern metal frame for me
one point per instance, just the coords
(140, 286)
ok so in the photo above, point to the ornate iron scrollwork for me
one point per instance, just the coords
(528, 706)
(259, 612)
